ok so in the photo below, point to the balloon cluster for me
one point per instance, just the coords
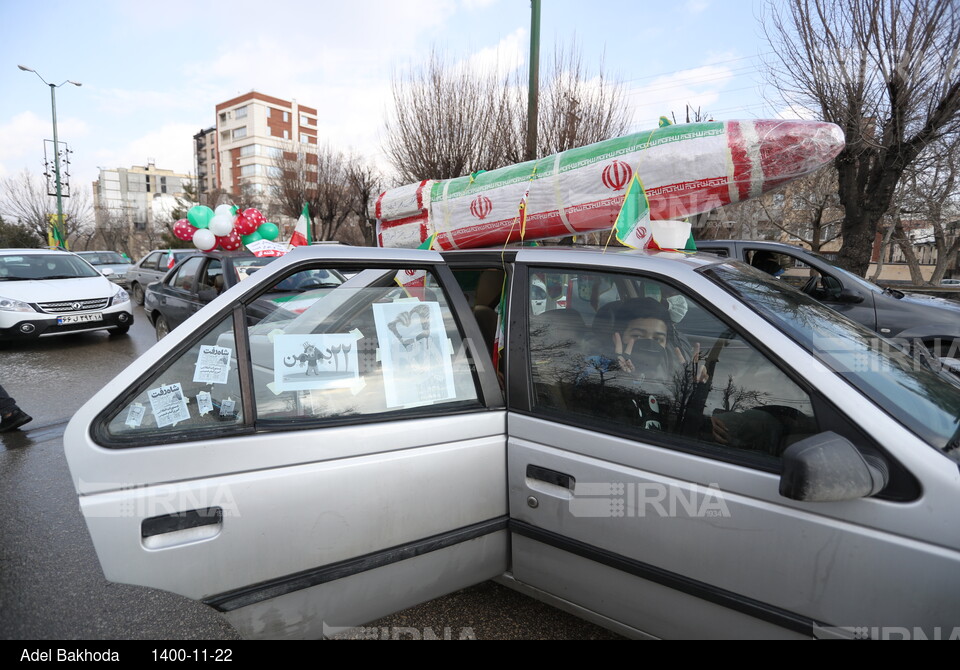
(228, 227)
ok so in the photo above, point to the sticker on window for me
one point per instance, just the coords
(414, 353)
(213, 365)
(305, 362)
(204, 403)
(168, 405)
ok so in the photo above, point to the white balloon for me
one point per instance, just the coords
(204, 239)
(221, 224)
(224, 209)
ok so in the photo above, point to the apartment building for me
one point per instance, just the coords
(205, 163)
(131, 205)
(251, 131)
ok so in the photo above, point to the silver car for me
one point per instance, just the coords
(675, 446)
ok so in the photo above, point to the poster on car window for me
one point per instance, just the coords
(213, 365)
(414, 352)
(168, 405)
(315, 362)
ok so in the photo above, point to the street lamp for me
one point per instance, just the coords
(58, 229)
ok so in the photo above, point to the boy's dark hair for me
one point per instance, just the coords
(641, 308)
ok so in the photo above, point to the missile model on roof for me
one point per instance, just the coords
(683, 169)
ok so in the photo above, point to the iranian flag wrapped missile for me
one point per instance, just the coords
(636, 185)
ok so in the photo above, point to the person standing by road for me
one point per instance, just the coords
(11, 416)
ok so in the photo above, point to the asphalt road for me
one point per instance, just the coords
(51, 586)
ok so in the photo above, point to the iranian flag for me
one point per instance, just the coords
(301, 234)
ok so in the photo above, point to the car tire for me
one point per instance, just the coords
(136, 292)
(162, 327)
(122, 330)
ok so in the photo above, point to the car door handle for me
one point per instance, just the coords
(551, 476)
(179, 528)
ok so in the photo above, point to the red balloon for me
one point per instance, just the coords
(183, 230)
(256, 216)
(231, 242)
(244, 225)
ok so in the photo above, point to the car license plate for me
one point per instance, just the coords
(78, 318)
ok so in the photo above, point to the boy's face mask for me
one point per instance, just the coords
(678, 307)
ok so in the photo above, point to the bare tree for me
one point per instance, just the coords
(930, 192)
(113, 231)
(334, 194)
(886, 72)
(319, 178)
(575, 108)
(447, 121)
(24, 199)
(294, 180)
(365, 184)
(451, 120)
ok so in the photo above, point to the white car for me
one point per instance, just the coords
(755, 466)
(45, 293)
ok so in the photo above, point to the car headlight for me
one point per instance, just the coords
(120, 297)
(11, 305)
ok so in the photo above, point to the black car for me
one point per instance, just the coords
(894, 314)
(199, 279)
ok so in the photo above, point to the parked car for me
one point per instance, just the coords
(783, 475)
(198, 279)
(906, 317)
(44, 293)
(153, 267)
(953, 283)
(110, 264)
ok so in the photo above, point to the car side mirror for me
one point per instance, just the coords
(828, 468)
(107, 272)
(849, 296)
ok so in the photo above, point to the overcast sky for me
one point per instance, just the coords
(152, 73)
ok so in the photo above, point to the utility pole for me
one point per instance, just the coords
(59, 232)
(533, 92)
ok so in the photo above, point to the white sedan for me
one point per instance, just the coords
(672, 445)
(45, 293)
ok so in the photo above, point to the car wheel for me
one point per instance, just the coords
(163, 328)
(122, 330)
(137, 292)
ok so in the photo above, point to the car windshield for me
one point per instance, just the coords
(903, 386)
(44, 266)
(104, 258)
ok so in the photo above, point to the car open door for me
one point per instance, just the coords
(338, 460)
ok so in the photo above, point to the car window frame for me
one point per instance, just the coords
(488, 391)
(828, 415)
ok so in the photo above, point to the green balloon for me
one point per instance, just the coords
(269, 231)
(252, 237)
(199, 216)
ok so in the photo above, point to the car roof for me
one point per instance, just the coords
(595, 255)
(760, 244)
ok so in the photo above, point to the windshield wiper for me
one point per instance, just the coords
(61, 277)
(16, 278)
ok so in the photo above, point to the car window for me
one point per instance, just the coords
(635, 356)
(212, 278)
(186, 277)
(199, 390)
(383, 342)
(150, 262)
